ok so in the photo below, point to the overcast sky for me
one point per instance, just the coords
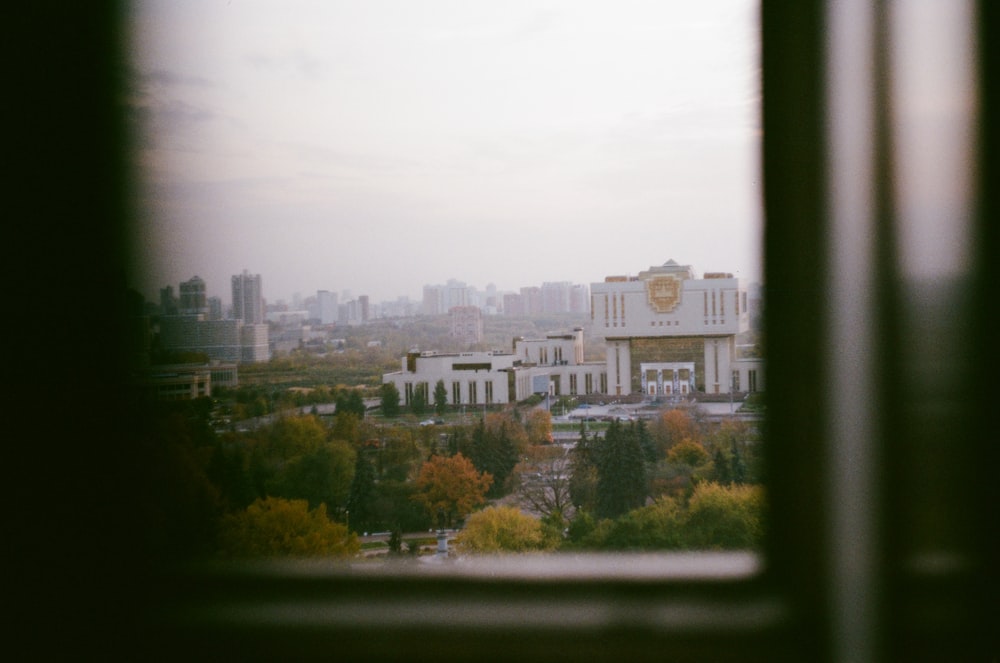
(380, 145)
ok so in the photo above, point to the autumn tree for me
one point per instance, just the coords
(449, 488)
(389, 394)
(276, 527)
(672, 427)
(538, 426)
(725, 517)
(503, 529)
(440, 398)
(687, 452)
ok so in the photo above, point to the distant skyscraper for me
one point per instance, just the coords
(168, 303)
(214, 308)
(327, 303)
(364, 311)
(248, 298)
(193, 299)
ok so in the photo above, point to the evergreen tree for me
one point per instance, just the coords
(418, 404)
(493, 450)
(361, 494)
(350, 400)
(621, 472)
(720, 463)
(440, 398)
(390, 399)
(739, 468)
(583, 481)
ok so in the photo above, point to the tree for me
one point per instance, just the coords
(350, 400)
(503, 529)
(583, 480)
(418, 402)
(494, 450)
(321, 477)
(390, 399)
(440, 398)
(726, 517)
(688, 452)
(538, 426)
(361, 496)
(672, 427)
(277, 527)
(657, 526)
(546, 486)
(449, 488)
(621, 471)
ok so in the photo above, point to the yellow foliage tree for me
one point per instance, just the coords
(538, 425)
(273, 527)
(688, 452)
(502, 529)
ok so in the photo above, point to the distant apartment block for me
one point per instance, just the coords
(222, 340)
(193, 299)
(248, 298)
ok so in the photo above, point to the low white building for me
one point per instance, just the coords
(552, 365)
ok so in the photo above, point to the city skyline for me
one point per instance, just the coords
(377, 147)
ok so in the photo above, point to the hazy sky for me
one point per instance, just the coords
(380, 145)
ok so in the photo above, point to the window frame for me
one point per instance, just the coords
(786, 611)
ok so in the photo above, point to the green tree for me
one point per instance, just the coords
(390, 399)
(583, 480)
(440, 398)
(361, 496)
(657, 526)
(276, 527)
(503, 529)
(321, 477)
(418, 402)
(724, 517)
(622, 480)
(494, 451)
(350, 400)
(721, 465)
(450, 487)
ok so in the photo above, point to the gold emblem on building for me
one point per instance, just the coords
(664, 292)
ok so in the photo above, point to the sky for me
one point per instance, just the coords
(382, 145)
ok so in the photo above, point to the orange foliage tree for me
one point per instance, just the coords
(450, 488)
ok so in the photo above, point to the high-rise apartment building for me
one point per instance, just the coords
(193, 298)
(248, 298)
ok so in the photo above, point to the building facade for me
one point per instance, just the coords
(552, 365)
(248, 298)
(670, 333)
(193, 299)
(222, 340)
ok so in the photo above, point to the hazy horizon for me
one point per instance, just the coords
(380, 146)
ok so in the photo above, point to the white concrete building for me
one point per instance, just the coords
(667, 332)
(552, 365)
